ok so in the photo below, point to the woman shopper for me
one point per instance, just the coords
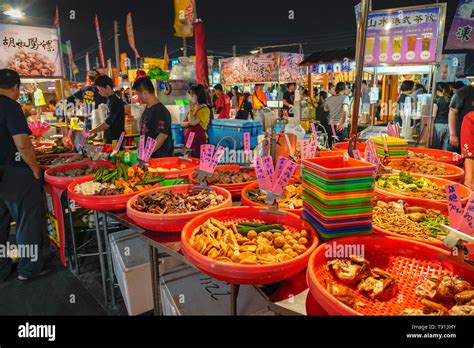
(322, 116)
(245, 107)
(338, 107)
(198, 119)
(440, 113)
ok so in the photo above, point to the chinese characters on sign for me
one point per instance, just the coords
(32, 43)
(460, 34)
(402, 36)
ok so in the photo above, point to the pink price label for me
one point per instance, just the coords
(216, 158)
(283, 180)
(280, 165)
(189, 142)
(313, 129)
(313, 146)
(141, 146)
(206, 156)
(467, 222)
(268, 170)
(368, 156)
(247, 143)
(260, 171)
(356, 154)
(304, 149)
(119, 142)
(454, 205)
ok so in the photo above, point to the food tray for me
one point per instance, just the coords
(171, 222)
(101, 203)
(63, 182)
(415, 203)
(248, 274)
(338, 188)
(356, 180)
(346, 218)
(409, 261)
(234, 189)
(248, 202)
(174, 162)
(331, 230)
(464, 191)
(58, 155)
(337, 165)
(439, 155)
(340, 196)
(455, 173)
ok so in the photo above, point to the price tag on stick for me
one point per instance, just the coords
(313, 129)
(206, 156)
(467, 221)
(247, 143)
(304, 149)
(269, 171)
(141, 147)
(283, 180)
(288, 143)
(119, 144)
(216, 159)
(454, 205)
(356, 154)
(260, 172)
(189, 142)
(280, 165)
(313, 147)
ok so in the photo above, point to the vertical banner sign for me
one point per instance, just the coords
(183, 18)
(123, 64)
(461, 32)
(101, 49)
(88, 64)
(202, 69)
(69, 55)
(410, 35)
(130, 34)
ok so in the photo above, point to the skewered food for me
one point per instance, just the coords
(223, 242)
(169, 202)
(229, 177)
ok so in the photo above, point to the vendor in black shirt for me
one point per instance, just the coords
(114, 123)
(289, 99)
(89, 94)
(156, 119)
(21, 197)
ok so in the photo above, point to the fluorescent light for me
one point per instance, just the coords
(14, 13)
(254, 51)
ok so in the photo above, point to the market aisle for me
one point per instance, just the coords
(57, 293)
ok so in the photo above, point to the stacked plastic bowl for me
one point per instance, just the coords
(338, 194)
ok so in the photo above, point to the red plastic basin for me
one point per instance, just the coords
(234, 189)
(175, 162)
(464, 191)
(455, 173)
(439, 155)
(410, 262)
(171, 222)
(248, 274)
(101, 203)
(59, 155)
(63, 182)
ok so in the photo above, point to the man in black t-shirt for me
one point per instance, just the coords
(114, 123)
(21, 197)
(156, 119)
(289, 99)
(89, 94)
(461, 104)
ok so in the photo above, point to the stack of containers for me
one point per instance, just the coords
(337, 195)
(397, 148)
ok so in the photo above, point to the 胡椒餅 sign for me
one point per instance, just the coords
(31, 51)
(408, 35)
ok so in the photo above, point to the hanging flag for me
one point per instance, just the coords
(56, 17)
(461, 35)
(101, 49)
(131, 36)
(69, 54)
(88, 65)
(75, 70)
(202, 72)
(166, 58)
(184, 17)
(123, 64)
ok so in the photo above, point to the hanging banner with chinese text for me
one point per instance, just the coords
(460, 34)
(30, 51)
(408, 35)
(99, 39)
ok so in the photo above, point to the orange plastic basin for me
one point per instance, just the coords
(455, 173)
(62, 182)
